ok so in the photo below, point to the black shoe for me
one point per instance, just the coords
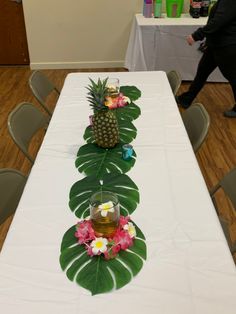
(183, 101)
(177, 99)
(231, 113)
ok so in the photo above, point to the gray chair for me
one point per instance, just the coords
(174, 80)
(228, 184)
(225, 228)
(196, 121)
(12, 183)
(23, 123)
(41, 88)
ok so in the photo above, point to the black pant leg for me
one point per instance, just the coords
(226, 60)
(206, 66)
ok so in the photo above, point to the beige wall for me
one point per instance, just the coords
(78, 33)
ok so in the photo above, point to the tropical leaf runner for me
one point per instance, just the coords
(94, 160)
(120, 184)
(105, 170)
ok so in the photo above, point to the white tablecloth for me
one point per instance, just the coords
(189, 268)
(160, 44)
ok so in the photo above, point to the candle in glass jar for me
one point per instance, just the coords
(104, 213)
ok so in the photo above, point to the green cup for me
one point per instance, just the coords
(174, 8)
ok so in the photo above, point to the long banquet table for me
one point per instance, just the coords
(189, 268)
(160, 44)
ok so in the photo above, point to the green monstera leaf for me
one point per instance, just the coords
(131, 91)
(127, 132)
(129, 112)
(95, 273)
(94, 160)
(120, 184)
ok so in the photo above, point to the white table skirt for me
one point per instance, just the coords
(160, 44)
(189, 268)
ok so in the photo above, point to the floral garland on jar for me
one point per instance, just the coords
(107, 247)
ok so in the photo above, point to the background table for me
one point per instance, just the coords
(189, 268)
(159, 44)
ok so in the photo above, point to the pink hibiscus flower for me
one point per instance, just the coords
(89, 250)
(118, 102)
(84, 231)
(124, 220)
(122, 239)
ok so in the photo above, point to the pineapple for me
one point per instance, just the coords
(105, 125)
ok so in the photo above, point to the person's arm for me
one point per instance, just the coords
(224, 14)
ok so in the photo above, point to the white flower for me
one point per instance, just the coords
(105, 208)
(131, 229)
(126, 99)
(99, 245)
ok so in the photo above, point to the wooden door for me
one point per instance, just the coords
(13, 41)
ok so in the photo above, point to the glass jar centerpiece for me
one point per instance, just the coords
(104, 213)
(113, 87)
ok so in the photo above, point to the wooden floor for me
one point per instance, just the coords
(216, 157)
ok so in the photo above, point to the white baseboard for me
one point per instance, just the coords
(76, 65)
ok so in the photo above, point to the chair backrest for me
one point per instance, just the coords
(174, 80)
(225, 228)
(12, 183)
(196, 121)
(228, 184)
(23, 123)
(41, 88)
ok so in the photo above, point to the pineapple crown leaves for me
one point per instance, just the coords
(97, 94)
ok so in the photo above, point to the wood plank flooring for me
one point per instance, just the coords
(216, 157)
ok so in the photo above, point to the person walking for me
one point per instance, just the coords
(219, 51)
